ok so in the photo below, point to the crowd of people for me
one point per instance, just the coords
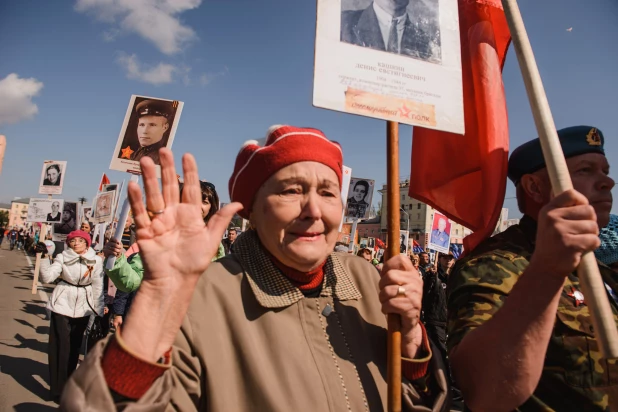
(281, 317)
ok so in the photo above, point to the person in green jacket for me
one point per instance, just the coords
(128, 269)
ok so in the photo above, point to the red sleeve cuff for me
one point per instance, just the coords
(416, 368)
(128, 375)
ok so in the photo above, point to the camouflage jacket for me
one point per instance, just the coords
(574, 378)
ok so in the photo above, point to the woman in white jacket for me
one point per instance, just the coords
(78, 295)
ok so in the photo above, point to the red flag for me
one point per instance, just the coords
(104, 181)
(464, 177)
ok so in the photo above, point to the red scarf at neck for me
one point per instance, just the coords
(302, 280)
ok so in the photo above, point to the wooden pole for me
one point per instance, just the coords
(588, 271)
(392, 214)
(37, 262)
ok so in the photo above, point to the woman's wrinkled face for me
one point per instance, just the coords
(297, 212)
(78, 245)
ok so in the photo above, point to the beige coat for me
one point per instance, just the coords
(252, 342)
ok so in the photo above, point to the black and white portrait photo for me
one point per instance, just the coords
(68, 222)
(149, 125)
(405, 27)
(360, 194)
(45, 210)
(52, 177)
(403, 242)
(103, 207)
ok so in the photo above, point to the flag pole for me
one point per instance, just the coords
(392, 213)
(588, 271)
(2, 150)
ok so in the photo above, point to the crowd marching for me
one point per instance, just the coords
(282, 317)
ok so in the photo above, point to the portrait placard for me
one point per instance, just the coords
(360, 195)
(345, 188)
(68, 222)
(149, 124)
(52, 177)
(440, 236)
(45, 210)
(104, 207)
(397, 60)
(403, 242)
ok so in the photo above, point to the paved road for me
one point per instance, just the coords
(24, 330)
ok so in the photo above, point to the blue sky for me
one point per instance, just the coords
(241, 66)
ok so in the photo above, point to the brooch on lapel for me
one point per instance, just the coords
(577, 296)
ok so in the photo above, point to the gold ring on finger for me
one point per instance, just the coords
(401, 291)
(152, 214)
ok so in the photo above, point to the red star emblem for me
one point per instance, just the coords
(577, 296)
(404, 111)
(126, 153)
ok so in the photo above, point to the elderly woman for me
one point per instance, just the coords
(283, 323)
(78, 296)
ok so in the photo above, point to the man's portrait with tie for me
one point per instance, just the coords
(406, 27)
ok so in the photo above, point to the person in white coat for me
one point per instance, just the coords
(77, 297)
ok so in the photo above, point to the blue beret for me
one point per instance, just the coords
(576, 140)
(154, 108)
(608, 251)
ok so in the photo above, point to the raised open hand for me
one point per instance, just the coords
(176, 247)
(175, 244)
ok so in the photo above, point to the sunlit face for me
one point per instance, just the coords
(55, 206)
(52, 175)
(441, 225)
(78, 245)
(359, 193)
(297, 212)
(447, 262)
(423, 258)
(590, 176)
(150, 129)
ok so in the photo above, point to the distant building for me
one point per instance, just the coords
(417, 217)
(371, 228)
(18, 212)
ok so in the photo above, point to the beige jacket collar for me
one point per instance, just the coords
(273, 289)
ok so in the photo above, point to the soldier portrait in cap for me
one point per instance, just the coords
(404, 27)
(68, 222)
(150, 124)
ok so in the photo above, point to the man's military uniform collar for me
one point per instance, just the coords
(148, 149)
(273, 289)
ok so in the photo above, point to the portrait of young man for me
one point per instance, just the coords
(404, 27)
(358, 201)
(149, 125)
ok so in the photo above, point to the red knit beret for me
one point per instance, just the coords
(79, 233)
(284, 145)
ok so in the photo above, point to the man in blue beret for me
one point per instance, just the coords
(520, 336)
(154, 122)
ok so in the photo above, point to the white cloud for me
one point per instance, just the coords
(207, 78)
(162, 73)
(155, 20)
(16, 98)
